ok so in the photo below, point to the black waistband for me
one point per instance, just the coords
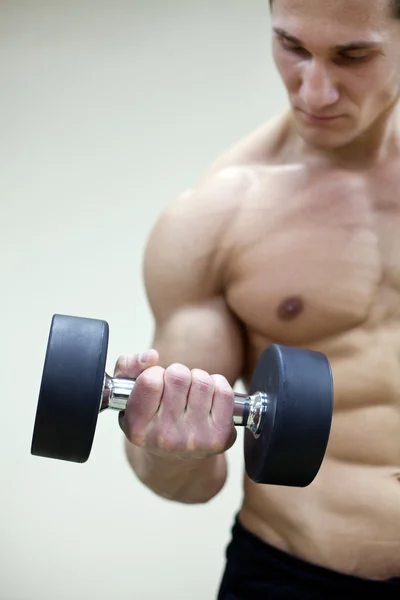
(248, 557)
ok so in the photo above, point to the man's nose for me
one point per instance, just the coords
(318, 90)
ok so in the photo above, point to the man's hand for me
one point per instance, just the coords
(176, 411)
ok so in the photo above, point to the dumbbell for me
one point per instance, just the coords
(287, 414)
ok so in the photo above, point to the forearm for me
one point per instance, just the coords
(189, 481)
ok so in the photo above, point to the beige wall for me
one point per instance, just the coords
(107, 111)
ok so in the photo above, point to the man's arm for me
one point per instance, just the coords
(183, 273)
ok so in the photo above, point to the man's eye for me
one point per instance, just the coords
(354, 59)
(344, 58)
(295, 49)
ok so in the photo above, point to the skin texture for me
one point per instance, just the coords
(291, 237)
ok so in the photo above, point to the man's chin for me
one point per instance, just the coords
(324, 140)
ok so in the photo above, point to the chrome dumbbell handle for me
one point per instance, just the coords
(249, 411)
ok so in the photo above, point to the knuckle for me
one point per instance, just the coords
(217, 446)
(223, 390)
(165, 443)
(137, 439)
(220, 440)
(134, 434)
(168, 442)
(222, 385)
(204, 439)
(151, 380)
(202, 380)
(198, 439)
(178, 375)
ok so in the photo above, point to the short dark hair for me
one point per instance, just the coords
(395, 4)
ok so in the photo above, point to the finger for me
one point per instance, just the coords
(200, 396)
(223, 402)
(232, 439)
(131, 365)
(177, 380)
(143, 404)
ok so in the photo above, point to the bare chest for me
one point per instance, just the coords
(316, 261)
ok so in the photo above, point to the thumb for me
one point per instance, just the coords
(130, 366)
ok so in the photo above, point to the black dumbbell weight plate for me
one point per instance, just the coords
(71, 388)
(292, 444)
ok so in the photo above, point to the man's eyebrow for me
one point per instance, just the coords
(361, 45)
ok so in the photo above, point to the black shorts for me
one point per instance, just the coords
(254, 571)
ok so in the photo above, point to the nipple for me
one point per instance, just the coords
(290, 308)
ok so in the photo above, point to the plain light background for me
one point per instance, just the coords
(108, 110)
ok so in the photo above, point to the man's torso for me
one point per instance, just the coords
(326, 240)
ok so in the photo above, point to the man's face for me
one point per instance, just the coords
(340, 59)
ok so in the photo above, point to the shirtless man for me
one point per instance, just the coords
(293, 237)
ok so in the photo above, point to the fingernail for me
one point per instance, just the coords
(144, 357)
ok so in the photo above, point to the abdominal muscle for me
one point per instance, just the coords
(348, 519)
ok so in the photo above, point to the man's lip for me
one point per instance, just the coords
(316, 118)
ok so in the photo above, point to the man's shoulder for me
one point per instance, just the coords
(194, 230)
(236, 169)
(261, 147)
(208, 209)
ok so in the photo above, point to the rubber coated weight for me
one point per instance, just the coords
(71, 388)
(292, 444)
